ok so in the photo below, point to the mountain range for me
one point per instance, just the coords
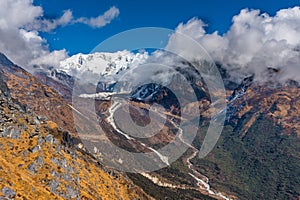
(46, 155)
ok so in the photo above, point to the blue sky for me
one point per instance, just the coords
(133, 14)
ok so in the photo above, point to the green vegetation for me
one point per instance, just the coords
(264, 164)
(161, 193)
(178, 172)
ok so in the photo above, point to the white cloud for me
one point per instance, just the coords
(254, 43)
(47, 25)
(101, 20)
(52, 58)
(20, 25)
(17, 13)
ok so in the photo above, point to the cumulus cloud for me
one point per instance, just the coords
(21, 23)
(256, 43)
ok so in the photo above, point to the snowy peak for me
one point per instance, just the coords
(101, 63)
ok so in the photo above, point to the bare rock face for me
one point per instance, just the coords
(9, 193)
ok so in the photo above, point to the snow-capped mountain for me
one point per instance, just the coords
(94, 68)
(103, 64)
(102, 69)
(105, 70)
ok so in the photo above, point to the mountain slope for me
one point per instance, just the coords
(257, 156)
(37, 160)
(36, 96)
(261, 128)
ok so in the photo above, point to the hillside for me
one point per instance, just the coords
(39, 162)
